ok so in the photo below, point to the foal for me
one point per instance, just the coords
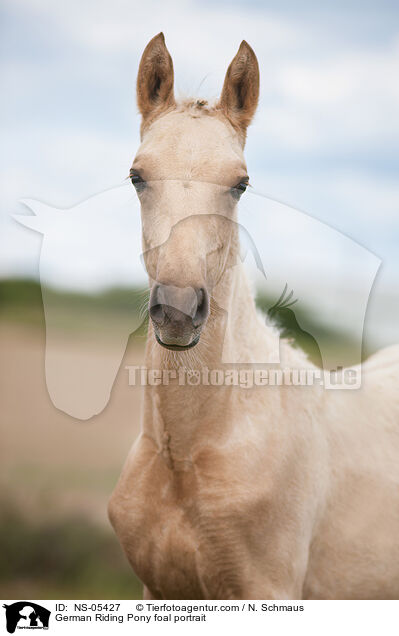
(270, 492)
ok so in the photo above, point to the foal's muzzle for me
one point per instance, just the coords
(178, 315)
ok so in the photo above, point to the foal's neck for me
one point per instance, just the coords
(178, 416)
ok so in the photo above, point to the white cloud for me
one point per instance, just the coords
(309, 101)
(349, 99)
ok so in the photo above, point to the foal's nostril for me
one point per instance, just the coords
(157, 313)
(178, 307)
(202, 311)
(156, 309)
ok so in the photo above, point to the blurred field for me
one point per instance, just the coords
(57, 473)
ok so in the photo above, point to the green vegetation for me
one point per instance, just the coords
(21, 303)
(64, 558)
(109, 311)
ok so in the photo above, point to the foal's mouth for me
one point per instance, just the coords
(176, 347)
(178, 315)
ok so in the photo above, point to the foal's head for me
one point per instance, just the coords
(189, 174)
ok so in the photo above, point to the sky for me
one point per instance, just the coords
(324, 140)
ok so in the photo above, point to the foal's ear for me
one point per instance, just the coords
(240, 93)
(155, 78)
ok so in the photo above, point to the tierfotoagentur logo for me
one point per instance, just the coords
(242, 378)
(26, 615)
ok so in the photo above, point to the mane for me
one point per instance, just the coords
(195, 107)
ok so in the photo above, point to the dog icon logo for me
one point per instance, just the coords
(26, 615)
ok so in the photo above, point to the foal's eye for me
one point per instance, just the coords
(238, 189)
(137, 181)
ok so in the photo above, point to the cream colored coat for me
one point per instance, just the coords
(228, 493)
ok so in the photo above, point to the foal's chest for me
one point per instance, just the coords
(171, 527)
